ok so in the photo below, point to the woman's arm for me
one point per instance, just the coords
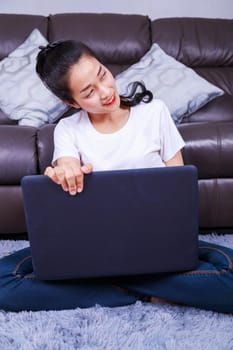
(177, 160)
(69, 173)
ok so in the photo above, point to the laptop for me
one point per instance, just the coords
(125, 222)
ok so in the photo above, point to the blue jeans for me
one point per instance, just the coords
(209, 287)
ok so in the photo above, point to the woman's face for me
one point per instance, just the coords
(93, 86)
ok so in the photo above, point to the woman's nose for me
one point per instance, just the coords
(104, 92)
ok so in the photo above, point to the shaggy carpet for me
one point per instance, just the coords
(142, 326)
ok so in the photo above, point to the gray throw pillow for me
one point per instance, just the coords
(23, 96)
(182, 89)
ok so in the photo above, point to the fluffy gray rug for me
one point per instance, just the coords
(142, 326)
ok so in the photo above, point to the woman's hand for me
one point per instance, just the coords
(69, 173)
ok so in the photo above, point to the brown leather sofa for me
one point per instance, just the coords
(206, 45)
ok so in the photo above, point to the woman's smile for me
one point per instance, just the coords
(111, 101)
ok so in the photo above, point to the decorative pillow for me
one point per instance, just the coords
(182, 90)
(23, 96)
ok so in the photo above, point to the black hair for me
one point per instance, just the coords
(54, 62)
(133, 98)
(53, 67)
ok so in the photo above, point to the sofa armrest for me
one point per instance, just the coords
(18, 156)
(45, 146)
(209, 146)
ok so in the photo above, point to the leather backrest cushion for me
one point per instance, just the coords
(196, 41)
(14, 29)
(118, 39)
(219, 109)
(4, 120)
(219, 76)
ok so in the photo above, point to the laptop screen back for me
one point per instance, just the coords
(125, 222)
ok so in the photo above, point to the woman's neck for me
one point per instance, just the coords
(110, 123)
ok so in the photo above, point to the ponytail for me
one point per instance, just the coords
(134, 97)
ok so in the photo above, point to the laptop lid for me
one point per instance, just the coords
(125, 222)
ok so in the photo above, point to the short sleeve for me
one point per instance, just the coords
(170, 138)
(64, 141)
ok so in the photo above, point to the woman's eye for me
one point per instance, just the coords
(90, 93)
(103, 75)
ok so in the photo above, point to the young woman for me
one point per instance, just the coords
(110, 132)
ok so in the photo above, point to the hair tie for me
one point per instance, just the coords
(50, 46)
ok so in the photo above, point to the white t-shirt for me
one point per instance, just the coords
(148, 139)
